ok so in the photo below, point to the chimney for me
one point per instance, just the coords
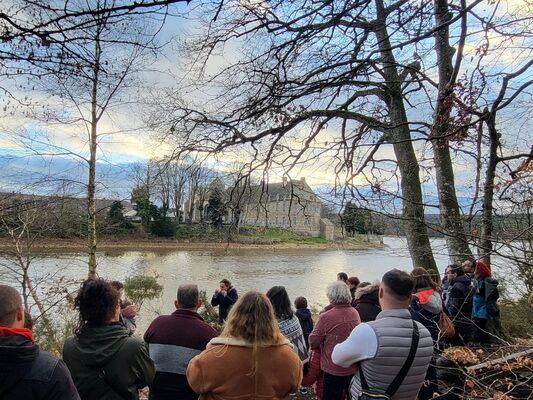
(284, 180)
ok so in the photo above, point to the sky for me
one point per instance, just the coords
(126, 139)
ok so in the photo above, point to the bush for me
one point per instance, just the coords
(142, 287)
(184, 231)
(208, 312)
(163, 227)
(517, 318)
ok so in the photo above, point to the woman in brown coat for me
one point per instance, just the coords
(251, 359)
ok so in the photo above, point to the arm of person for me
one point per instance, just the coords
(316, 337)
(314, 369)
(145, 367)
(195, 376)
(414, 309)
(298, 377)
(454, 299)
(215, 300)
(362, 344)
(230, 298)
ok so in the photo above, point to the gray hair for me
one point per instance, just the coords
(188, 295)
(339, 293)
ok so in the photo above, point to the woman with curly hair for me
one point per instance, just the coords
(250, 359)
(105, 362)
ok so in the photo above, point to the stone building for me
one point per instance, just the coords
(290, 204)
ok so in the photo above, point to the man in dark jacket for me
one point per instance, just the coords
(173, 340)
(459, 303)
(26, 373)
(224, 298)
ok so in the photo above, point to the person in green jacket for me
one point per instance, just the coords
(104, 361)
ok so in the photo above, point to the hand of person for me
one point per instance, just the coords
(224, 293)
(217, 291)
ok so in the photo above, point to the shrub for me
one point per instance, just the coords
(142, 287)
(517, 317)
(163, 227)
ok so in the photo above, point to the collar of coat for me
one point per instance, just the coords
(228, 341)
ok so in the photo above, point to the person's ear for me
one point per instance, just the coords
(20, 315)
(381, 292)
(176, 304)
(199, 303)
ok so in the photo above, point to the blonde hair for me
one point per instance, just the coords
(252, 319)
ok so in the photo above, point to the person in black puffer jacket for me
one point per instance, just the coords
(26, 373)
(366, 301)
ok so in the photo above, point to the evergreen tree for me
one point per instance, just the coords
(216, 207)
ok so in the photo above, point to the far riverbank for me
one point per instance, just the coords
(110, 245)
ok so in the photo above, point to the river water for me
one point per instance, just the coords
(304, 272)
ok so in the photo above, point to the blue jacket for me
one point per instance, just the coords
(485, 304)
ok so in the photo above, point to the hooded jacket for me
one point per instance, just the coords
(459, 302)
(459, 306)
(366, 302)
(306, 322)
(223, 371)
(426, 306)
(26, 373)
(108, 364)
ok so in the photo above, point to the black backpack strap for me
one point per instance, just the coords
(364, 383)
(395, 385)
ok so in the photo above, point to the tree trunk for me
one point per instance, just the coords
(400, 137)
(91, 185)
(450, 215)
(485, 243)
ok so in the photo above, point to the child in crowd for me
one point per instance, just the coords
(304, 316)
(128, 311)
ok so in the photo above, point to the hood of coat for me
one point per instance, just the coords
(304, 314)
(229, 341)
(97, 345)
(429, 300)
(370, 292)
(17, 355)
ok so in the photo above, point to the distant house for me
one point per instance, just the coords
(290, 204)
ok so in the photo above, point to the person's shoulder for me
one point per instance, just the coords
(132, 344)
(43, 368)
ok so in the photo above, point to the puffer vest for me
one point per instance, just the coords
(394, 330)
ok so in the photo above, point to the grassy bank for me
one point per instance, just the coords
(201, 238)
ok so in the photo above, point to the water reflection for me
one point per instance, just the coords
(303, 272)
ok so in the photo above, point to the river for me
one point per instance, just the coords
(304, 272)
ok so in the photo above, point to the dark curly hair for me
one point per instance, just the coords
(280, 301)
(96, 302)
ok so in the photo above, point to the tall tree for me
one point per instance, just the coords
(89, 51)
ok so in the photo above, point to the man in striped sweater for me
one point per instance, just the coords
(173, 340)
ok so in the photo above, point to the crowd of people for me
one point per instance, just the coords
(371, 340)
